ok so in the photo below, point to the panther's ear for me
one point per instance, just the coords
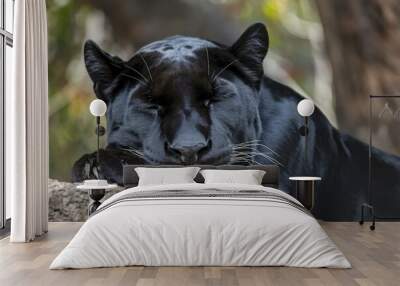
(251, 48)
(101, 66)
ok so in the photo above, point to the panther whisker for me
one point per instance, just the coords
(249, 142)
(212, 78)
(222, 70)
(249, 160)
(241, 152)
(242, 156)
(256, 162)
(240, 161)
(135, 152)
(268, 148)
(135, 78)
(238, 152)
(245, 144)
(147, 66)
(138, 72)
(254, 143)
(245, 148)
(208, 63)
(254, 153)
(246, 151)
(268, 158)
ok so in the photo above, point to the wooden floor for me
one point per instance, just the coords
(375, 257)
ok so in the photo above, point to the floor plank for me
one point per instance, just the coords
(375, 257)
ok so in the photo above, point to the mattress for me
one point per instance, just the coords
(201, 225)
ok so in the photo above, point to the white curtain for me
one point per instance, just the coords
(27, 123)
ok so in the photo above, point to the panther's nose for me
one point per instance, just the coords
(188, 154)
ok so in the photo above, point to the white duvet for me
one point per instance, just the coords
(200, 231)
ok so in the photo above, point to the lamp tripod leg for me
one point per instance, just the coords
(372, 227)
(362, 215)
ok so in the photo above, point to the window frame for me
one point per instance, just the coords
(6, 39)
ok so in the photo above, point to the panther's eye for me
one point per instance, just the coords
(146, 101)
(206, 103)
(222, 89)
(148, 95)
(153, 106)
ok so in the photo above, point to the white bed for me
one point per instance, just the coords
(206, 230)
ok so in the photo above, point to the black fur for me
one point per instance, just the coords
(185, 100)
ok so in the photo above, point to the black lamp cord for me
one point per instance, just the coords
(98, 142)
(305, 140)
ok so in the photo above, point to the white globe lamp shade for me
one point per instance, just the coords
(98, 107)
(305, 107)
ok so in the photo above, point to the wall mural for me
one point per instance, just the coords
(185, 100)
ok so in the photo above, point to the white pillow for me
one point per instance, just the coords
(163, 176)
(248, 177)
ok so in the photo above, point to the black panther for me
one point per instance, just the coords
(185, 100)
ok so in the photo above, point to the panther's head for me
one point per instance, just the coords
(182, 100)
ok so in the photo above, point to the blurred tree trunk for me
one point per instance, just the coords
(363, 44)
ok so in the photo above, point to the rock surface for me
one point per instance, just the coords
(67, 203)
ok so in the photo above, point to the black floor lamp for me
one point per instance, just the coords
(98, 108)
(305, 108)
